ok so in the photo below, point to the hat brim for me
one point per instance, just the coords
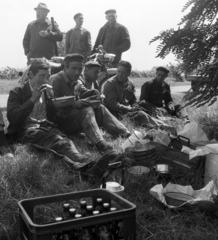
(42, 8)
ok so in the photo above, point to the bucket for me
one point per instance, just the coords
(211, 168)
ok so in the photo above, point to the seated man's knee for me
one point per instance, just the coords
(87, 111)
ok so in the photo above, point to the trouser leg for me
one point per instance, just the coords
(109, 122)
(54, 140)
(82, 120)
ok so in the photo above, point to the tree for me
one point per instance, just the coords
(195, 43)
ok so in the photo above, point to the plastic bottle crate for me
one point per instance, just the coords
(30, 230)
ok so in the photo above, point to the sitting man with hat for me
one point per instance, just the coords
(40, 37)
(155, 94)
(113, 36)
(82, 117)
(32, 119)
(120, 99)
(90, 75)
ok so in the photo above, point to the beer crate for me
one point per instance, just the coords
(30, 211)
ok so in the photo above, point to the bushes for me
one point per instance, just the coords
(9, 73)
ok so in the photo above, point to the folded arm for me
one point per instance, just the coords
(55, 34)
(125, 42)
(26, 40)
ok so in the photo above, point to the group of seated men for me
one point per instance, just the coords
(33, 118)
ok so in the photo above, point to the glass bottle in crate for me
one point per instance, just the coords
(58, 235)
(106, 207)
(77, 232)
(89, 210)
(72, 213)
(82, 209)
(99, 206)
(117, 227)
(65, 214)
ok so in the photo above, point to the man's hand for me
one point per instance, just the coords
(171, 107)
(43, 33)
(135, 109)
(37, 92)
(81, 103)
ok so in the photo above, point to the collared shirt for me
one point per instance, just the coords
(37, 46)
(39, 112)
(156, 93)
(108, 38)
(78, 40)
(62, 86)
(119, 97)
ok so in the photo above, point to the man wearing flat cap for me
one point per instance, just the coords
(90, 75)
(155, 94)
(82, 117)
(40, 39)
(113, 36)
(78, 39)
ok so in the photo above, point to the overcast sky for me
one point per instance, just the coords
(143, 18)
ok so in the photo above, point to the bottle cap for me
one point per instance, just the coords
(78, 216)
(58, 219)
(99, 200)
(113, 209)
(89, 207)
(106, 204)
(66, 205)
(95, 212)
(83, 202)
(72, 210)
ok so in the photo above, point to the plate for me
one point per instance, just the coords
(63, 98)
(144, 148)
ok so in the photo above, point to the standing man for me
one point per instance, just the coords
(78, 39)
(40, 39)
(120, 98)
(113, 36)
(155, 94)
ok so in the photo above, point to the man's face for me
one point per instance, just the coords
(92, 73)
(79, 20)
(111, 18)
(122, 74)
(41, 14)
(41, 77)
(161, 75)
(73, 71)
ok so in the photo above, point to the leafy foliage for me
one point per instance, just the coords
(9, 73)
(195, 44)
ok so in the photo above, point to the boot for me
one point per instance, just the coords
(104, 147)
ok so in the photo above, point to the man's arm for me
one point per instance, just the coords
(17, 111)
(67, 42)
(89, 43)
(26, 40)
(98, 41)
(125, 41)
(145, 92)
(168, 98)
(55, 34)
(111, 99)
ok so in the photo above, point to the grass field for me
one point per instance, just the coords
(35, 173)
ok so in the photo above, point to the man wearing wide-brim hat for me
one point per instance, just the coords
(40, 39)
(113, 36)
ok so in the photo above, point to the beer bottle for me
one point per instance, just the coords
(72, 213)
(106, 207)
(58, 235)
(95, 227)
(99, 206)
(77, 232)
(89, 210)
(65, 214)
(82, 210)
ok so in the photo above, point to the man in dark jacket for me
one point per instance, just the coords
(120, 97)
(40, 39)
(113, 36)
(30, 115)
(155, 94)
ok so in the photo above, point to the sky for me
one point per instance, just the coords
(144, 19)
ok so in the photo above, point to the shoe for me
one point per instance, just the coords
(101, 166)
(104, 147)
